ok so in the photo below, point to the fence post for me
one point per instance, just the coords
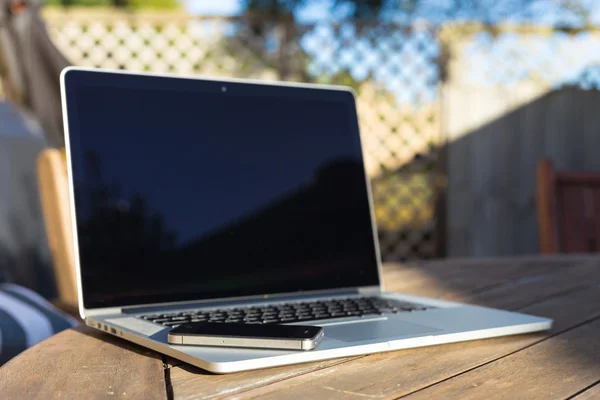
(442, 170)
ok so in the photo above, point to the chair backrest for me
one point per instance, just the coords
(568, 206)
(54, 193)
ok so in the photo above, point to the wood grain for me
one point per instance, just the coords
(555, 368)
(572, 217)
(493, 284)
(82, 363)
(563, 362)
(495, 138)
(424, 279)
(54, 196)
(189, 382)
(592, 393)
(454, 280)
(527, 289)
(389, 375)
(546, 207)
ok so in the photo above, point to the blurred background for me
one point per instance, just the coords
(458, 100)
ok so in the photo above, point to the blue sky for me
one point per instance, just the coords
(409, 71)
(212, 7)
(313, 11)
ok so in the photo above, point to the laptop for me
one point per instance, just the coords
(237, 201)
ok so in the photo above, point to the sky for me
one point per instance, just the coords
(409, 71)
(212, 7)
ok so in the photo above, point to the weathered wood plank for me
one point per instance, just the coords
(495, 140)
(555, 368)
(191, 383)
(592, 393)
(82, 363)
(188, 381)
(532, 279)
(531, 288)
(389, 375)
(442, 280)
(423, 278)
(549, 287)
(458, 280)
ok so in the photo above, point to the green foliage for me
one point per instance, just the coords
(340, 78)
(169, 4)
(136, 4)
(80, 3)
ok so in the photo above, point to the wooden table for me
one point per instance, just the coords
(562, 363)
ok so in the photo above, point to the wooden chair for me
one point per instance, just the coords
(568, 205)
(54, 193)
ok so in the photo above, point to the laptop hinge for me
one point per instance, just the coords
(367, 290)
(103, 311)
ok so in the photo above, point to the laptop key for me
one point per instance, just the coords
(304, 311)
(253, 313)
(172, 324)
(270, 313)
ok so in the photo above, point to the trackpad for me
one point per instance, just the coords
(388, 329)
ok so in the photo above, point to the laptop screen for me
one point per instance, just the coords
(190, 189)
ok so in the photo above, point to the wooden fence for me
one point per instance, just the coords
(506, 106)
(491, 192)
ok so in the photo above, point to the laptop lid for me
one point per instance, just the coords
(187, 189)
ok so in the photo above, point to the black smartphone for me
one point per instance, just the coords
(265, 336)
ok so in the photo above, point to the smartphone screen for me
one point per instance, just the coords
(258, 331)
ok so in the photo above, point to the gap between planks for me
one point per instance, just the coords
(553, 335)
(588, 393)
(475, 292)
(592, 288)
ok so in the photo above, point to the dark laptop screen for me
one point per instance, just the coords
(190, 189)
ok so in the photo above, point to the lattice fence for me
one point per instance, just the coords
(393, 69)
(548, 57)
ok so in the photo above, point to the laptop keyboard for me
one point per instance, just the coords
(290, 312)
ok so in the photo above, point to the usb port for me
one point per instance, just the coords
(113, 331)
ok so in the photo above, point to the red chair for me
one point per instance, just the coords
(568, 205)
